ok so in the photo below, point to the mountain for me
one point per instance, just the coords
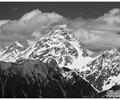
(104, 72)
(10, 52)
(39, 70)
(57, 66)
(61, 45)
(33, 79)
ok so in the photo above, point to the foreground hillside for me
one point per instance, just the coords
(37, 79)
(58, 66)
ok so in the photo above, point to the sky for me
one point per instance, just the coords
(96, 24)
(14, 10)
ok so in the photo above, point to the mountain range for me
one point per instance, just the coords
(56, 61)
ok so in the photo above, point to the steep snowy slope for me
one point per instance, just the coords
(61, 45)
(104, 72)
(10, 52)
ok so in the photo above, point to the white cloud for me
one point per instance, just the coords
(112, 17)
(37, 34)
(28, 16)
(3, 22)
(30, 43)
(97, 33)
(28, 27)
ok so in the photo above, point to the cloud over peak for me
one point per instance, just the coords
(26, 27)
(99, 33)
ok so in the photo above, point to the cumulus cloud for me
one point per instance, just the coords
(3, 22)
(112, 17)
(31, 42)
(37, 34)
(100, 33)
(97, 38)
(28, 27)
(96, 34)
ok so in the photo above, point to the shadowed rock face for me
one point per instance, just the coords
(28, 78)
(35, 74)
(57, 66)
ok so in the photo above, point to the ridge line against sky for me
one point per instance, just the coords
(97, 33)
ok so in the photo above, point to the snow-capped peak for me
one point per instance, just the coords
(61, 45)
(63, 31)
(15, 45)
(11, 51)
(103, 72)
(18, 44)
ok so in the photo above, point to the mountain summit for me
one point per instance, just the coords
(61, 45)
(60, 53)
(103, 72)
(10, 52)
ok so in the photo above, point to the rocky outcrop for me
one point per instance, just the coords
(27, 78)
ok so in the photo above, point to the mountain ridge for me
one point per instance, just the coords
(60, 47)
(11, 51)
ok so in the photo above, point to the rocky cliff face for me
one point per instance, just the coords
(60, 44)
(28, 78)
(9, 53)
(57, 66)
(103, 72)
(39, 70)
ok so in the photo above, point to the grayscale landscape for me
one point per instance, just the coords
(60, 49)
